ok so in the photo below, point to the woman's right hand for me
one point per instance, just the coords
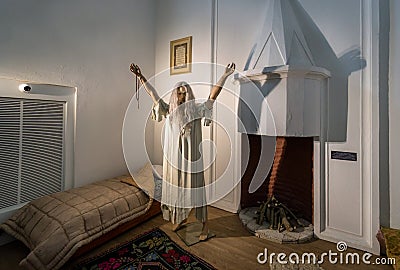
(135, 70)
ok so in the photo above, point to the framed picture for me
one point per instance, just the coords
(181, 55)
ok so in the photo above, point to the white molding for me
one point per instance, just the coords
(231, 205)
(369, 147)
(213, 59)
(370, 129)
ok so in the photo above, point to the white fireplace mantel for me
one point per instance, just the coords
(282, 100)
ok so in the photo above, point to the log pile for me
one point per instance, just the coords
(278, 216)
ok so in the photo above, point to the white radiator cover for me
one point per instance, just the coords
(36, 142)
(31, 149)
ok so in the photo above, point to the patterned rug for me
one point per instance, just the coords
(151, 250)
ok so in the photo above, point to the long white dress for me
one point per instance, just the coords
(183, 185)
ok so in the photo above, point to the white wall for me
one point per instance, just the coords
(394, 112)
(235, 18)
(88, 45)
(176, 19)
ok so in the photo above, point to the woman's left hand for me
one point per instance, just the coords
(230, 68)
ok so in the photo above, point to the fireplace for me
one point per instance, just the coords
(282, 79)
(289, 180)
(281, 89)
(281, 209)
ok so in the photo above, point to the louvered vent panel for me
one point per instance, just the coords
(42, 148)
(9, 151)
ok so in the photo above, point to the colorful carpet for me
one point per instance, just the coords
(151, 250)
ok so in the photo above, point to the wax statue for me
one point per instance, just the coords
(182, 160)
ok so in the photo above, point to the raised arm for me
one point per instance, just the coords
(230, 68)
(149, 88)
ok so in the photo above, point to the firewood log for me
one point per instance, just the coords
(276, 218)
(269, 213)
(293, 215)
(271, 226)
(262, 214)
(285, 221)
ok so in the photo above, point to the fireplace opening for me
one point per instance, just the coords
(289, 180)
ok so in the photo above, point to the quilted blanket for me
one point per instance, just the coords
(56, 225)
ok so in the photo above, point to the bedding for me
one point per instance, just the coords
(55, 226)
(149, 179)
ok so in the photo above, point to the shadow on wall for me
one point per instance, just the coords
(250, 115)
(340, 67)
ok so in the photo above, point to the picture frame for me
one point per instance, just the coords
(181, 55)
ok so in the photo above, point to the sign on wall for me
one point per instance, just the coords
(181, 55)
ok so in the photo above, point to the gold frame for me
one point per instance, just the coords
(181, 52)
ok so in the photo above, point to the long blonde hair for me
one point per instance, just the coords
(182, 114)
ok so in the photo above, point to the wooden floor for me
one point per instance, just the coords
(232, 248)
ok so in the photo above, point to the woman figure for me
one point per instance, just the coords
(183, 185)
